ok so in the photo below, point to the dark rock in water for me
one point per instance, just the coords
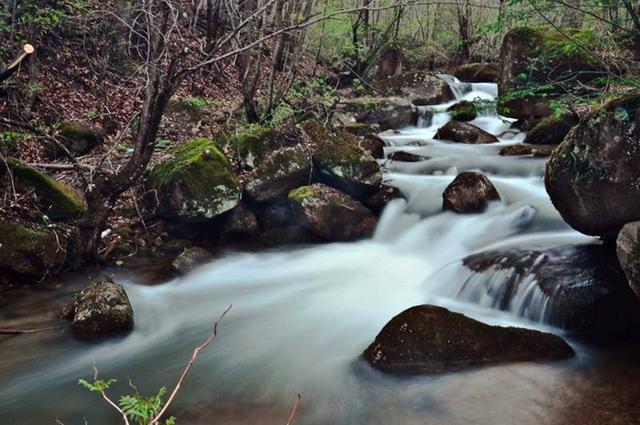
(406, 157)
(516, 150)
(428, 339)
(340, 162)
(379, 200)
(282, 171)
(30, 252)
(628, 250)
(196, 184)
(100, 310)
(593, 177)
(542, 151)
(77, 138)
(462, 132)
(585, 288)
(478, 73)
(385, 112)
(463, 111)
(418, 87)
(373, 145)
(190, 259)
(470, 192)
(330, 214)
(552, 130)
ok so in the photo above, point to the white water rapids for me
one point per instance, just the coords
(302, 316)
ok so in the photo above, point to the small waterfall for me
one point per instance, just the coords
(458, 88)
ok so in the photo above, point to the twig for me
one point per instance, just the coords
(108, 400)
(294, 409)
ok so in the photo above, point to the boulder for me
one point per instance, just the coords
(190, 258)
(30, 252)
(516, 150)
(428, 339)
(463, 111)
(552, 130)
(378, 200)
(593, 176)
(385, 112)
(373, 145)
(628, 250)
(406, 157)
(331, 215)
(252, 144)
(462, 132)
(390, 63)
(478, 73)
(242, 222)
(77, 138)
(196, 183)
(359, 129)
(419, 88)
(278, 174)
(581, 288)
(529, 55)
(57, 200)
(100, 310)
(470, 192)
(340, 162)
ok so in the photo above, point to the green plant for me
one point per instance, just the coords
(201, 103)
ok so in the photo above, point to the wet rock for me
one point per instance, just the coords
(373, 145)
(282, 171)
(242, 222)
(581, 288)
(331, 215)
(542, 151)
(628, 250)
(463, 111)
(340, 162)
(470, 192)
(478, 73)
(196, 184)
(516, 150)
(524, 53)
(385, 112)
(429, 339)
(552, 130)
(57, 200)
(462, 132)
(191, 258)
(406, 157)
(30, 252)
(377, 201)
(593, 175)
(418, 87)
(100, 310)
(77, 138)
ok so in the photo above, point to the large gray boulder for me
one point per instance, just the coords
(281, 172)
(428, 339)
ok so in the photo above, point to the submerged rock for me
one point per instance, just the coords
(478, 73)
(581, 288)
(100, 310)
(552, 130)
(330, 214)
(428, 339)
(462, 132)
(470, 192)
(198, 184)
(628, 250)
(463, 111)
(191, 258)
(593, 177)
(282, 171)
(30, 252)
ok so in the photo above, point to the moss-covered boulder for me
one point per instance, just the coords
(462, 132)
(79, 139)
(535, 57)
(278, 174)
(57, 200)
(593, 177)
(340, 162)
(463, 111)
(30, 252)
(469, 192)
(478, 73)
(385, 112)
(196, 183)
(427, 339)
(552, 130)
(250, 145)
(331, 215)
(419, 88)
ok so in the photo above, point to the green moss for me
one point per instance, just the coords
(59, 200)
(300, 194)
(78, 138)
(28, 251)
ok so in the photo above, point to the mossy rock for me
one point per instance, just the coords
(250, 144)
(77, 138)
(552, 130)
(341, 162)
(419, 88)
(58, 200)
(478, 73)
(284, 170)
(30, 252)
(198, 184)
(384, 112)
(463, 111)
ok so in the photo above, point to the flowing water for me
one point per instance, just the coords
(301, 317)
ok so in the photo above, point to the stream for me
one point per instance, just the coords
(302, 316)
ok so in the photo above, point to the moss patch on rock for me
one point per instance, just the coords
(77, 138)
